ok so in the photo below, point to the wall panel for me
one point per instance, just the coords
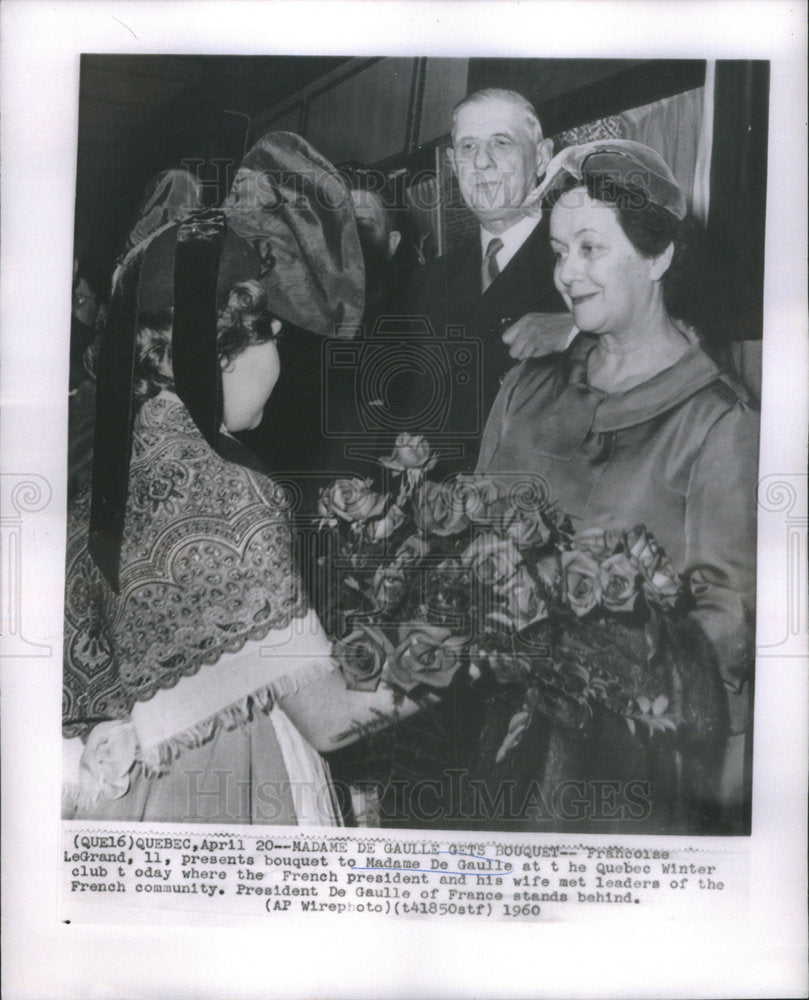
(290, 121)
(365, 116)
(444, 86)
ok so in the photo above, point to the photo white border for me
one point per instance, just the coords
(763, 953)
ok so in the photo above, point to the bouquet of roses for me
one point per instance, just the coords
(467, 581)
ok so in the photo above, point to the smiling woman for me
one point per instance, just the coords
(615, 289)
(635, 423)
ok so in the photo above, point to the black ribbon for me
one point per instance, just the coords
(197, 376)
(195, 359)
(112, 440)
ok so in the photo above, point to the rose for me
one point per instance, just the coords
(108, 757)
(436, 510)
(491, 558)
(618, 586)
(524, 604)
(386, 525)
(411, 453)
(350, 499)
(598, 542)
(389, 586)
(525, 527)
(361, 656)
(426, 654)
(475, 495)
(643, 549)
(582, 584)
(664, 586)
(661, 584)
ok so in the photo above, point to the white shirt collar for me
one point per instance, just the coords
(513, 238)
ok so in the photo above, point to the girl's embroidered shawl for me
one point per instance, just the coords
(206, 566)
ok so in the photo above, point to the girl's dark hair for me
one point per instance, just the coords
(650, 229)
(244, 320)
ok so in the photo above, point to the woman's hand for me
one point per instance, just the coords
(535, 335)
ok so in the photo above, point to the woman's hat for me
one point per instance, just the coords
(237, 260)
(170, 196)
(630, 164)
(289, 223)
(295, 210)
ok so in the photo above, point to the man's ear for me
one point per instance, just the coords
(450, 155)
(275, 326)
(544, 156)
(662, 263)
(394, 240)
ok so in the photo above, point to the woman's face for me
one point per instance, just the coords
(247, 383)
(607, 285)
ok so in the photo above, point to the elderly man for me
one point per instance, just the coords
(496, 285)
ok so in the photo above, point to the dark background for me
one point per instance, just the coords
(139, 115)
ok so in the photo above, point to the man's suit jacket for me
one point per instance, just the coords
(448, 292)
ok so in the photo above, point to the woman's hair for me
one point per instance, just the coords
(244, 320)
(650, 229)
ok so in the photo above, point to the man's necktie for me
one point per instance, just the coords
(490, 269)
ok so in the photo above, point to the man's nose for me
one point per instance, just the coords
(483, 156)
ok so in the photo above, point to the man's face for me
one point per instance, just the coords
(378, 241)
(372, 223)
(495, 160)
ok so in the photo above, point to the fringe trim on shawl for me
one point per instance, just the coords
(158, 759)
